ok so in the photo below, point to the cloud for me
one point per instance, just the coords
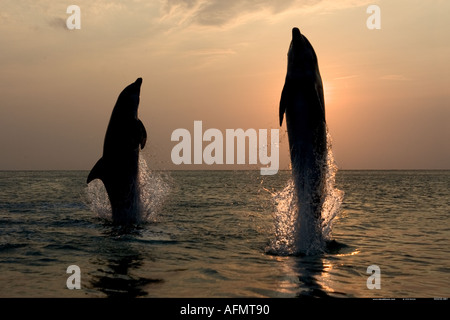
(219, 13)
(395, 77)
(346, 77)
(222, 13)
(211, 52)
(58, 23)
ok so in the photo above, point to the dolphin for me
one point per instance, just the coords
(302, 101)
(118, 167)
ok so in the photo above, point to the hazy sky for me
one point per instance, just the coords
(387, 91)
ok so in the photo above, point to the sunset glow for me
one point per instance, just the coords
(224, 63)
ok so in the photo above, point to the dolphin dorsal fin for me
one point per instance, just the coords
(97, 171)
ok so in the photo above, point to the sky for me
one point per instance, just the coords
(387, 96)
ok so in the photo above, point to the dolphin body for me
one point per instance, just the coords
(302, 101)
(118, 167)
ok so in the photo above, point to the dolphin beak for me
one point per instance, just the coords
(296, 34)
(137, 86)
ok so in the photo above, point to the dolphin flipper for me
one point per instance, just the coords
(142, 134)
(285, 100)
(97, 171)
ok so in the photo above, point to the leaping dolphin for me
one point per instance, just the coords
(118, 167)
(302, 101)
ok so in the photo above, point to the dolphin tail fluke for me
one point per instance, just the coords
(97, 171)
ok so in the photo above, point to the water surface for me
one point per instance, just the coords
(209, 235)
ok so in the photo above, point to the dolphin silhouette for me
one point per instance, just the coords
(118, 167)
(302, 101)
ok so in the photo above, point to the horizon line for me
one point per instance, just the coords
(37, 170)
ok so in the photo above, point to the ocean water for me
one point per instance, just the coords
(211, 234)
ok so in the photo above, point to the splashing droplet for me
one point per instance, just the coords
(296, 230)
(153, 188)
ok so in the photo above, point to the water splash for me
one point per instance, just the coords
(153, 189)
(296, 231)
